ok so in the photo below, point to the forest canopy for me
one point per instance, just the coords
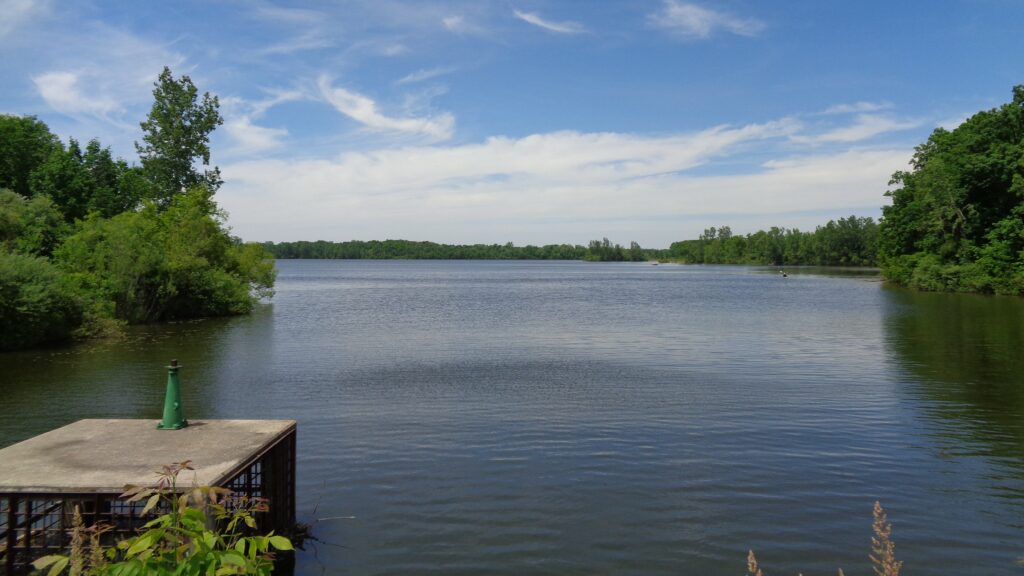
(89, 242)
(956, 222)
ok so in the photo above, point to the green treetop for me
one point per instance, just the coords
(177, 136)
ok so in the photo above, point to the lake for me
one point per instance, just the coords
(470, 417)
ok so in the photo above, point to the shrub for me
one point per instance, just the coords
(37, 302)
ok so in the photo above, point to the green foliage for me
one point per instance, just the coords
(91, 181)
(25, 143)
(956, 222)
(161, 265)
(176, 136)
(37, 303)
(407, 249)
(848, 241)
(604, 251)
(29, 226)
(202, 532)
(128, 243)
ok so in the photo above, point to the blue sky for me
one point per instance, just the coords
(527, 121)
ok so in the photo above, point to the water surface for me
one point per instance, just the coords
(581, 418)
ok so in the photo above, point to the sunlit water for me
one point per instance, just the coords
(579, 418)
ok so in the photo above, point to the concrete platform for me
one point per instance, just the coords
(101, 456)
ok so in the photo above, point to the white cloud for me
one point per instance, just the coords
(554, 187)
(309, 40)
(953, 122)
(425, 74)
(567, 27)
(106, 82)
(15, 13)
(311, 24)
(857, 107)
(864, 127)
(62, 92)
(394, 50)
(252, 139)
(364, 110)
(455, 23)
(249, 138)
(692, 21)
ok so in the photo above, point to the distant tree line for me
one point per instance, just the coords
(849, 241)
(89, 242)
(411, 250)
(596, 251)
(604, 251)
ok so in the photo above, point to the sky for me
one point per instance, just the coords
(526, 121)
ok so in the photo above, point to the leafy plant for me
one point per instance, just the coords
(202, 531)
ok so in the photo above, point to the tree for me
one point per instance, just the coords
(91, 181)
(25, 143)
(177, 136)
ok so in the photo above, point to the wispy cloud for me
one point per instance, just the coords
(251, 139)
(567, 27)
(514, 188)
(857, 107)
(692, 21)
(455, 23)
(62, 92)
(17, 12)
(394, 49)
(311, 26)
(425, 74)
(364, 110)
(108, 79)
(309, 40)
(864, 127)
(247, 137)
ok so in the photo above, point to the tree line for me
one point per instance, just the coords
(851, 241)
(412, 250)
(89, 243)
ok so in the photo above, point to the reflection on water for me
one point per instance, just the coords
(965, 354)
(568, 417)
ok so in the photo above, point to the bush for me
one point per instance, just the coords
(37, 303)
(163, 265)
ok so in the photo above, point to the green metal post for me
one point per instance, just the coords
(173, 418)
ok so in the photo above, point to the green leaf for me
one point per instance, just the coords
(281, 543)
(141, 543)
(58, 566)
(46, 561)
(232, 557)
(151, 503)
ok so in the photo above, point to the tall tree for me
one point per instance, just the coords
(177, 137)
(25, 143)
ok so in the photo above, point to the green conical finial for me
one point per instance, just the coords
(173, 418)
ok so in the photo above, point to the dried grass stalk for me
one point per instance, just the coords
(883, 550)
